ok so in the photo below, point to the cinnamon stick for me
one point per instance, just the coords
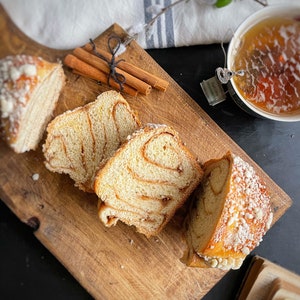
(141, 86)
(143, 75)
(82, 68)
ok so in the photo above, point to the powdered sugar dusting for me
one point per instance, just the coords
(245, 218)
(247, 211)
(17, 76)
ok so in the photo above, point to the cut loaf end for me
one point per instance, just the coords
(147, 180)
(30, 88)
(230, 214)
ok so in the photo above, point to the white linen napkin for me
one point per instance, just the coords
(65, 24)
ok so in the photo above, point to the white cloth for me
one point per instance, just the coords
(65, 24)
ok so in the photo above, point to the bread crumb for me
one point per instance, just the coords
(35, 177)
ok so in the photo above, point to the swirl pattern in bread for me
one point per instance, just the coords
(80, 141)
(230, 214)
(147, 180)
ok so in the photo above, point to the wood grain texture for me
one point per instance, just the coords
(114, 263)
(265, 279)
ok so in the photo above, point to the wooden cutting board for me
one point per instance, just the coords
(114, 263)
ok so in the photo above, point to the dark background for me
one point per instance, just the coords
(29, 271)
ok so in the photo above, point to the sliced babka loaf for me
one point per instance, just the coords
(80, 141)
(147, 180)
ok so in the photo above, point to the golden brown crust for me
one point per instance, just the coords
(192, 259)
(245, 216)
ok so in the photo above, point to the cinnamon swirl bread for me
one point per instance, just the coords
(229, 216)
(80, 141)
(29, 91)
(148, 178)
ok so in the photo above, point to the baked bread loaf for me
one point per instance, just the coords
(147, 180)
(80, 141)
(229, 215)
(29, 91)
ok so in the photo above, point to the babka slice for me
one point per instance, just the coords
(148, 178)
(80, 141)
(230, 214)
(29, 90)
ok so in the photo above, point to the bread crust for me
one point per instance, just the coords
(244, 217)
(25, 109)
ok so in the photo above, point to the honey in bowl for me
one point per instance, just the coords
(269, 56)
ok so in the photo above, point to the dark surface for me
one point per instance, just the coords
(28, 270)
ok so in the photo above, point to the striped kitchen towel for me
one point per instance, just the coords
(70, 23)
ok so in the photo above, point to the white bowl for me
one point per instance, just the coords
(264, 13)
